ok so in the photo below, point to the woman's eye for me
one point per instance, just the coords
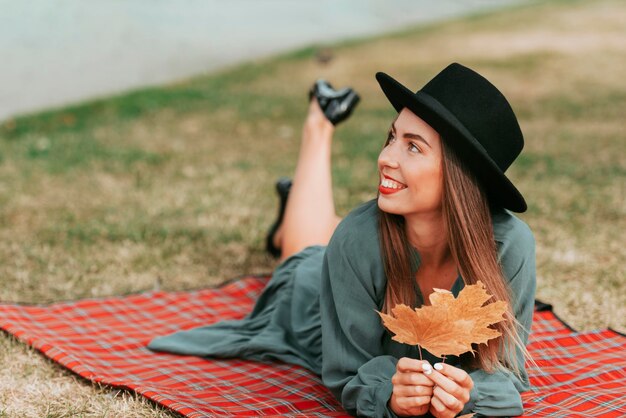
(390, 138)
(413, 147)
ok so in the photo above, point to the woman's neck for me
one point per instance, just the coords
(427, 233)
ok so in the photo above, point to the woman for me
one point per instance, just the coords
(439, 221)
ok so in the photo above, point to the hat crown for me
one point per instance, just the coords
(481, 108)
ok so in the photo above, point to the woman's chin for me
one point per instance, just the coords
(386, 206)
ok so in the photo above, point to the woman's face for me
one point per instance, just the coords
(410, 168)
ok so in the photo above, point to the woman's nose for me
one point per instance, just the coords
(388, 157)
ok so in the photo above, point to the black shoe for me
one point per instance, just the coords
(337, 105)
(283, 186)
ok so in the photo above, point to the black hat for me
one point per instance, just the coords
(475, 119)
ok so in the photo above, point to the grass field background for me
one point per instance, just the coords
(172, 187)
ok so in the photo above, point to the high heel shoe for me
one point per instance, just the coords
(283, 186)
(337, 105)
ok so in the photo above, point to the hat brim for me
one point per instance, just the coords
(500, 190)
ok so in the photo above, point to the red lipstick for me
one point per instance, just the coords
(390, 190)
(387, 190)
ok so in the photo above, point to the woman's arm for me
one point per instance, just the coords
(354, 366)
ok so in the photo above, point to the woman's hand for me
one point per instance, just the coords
(412, 390)
(451, 391)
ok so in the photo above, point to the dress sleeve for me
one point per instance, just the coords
(498, 394)
(354, 367)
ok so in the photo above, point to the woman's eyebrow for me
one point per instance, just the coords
(411, 136)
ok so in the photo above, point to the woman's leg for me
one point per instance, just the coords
(310, 216)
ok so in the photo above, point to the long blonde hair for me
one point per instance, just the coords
(469, 230)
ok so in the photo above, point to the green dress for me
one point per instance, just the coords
(319, 311)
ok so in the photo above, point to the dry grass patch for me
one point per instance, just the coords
(33, 387)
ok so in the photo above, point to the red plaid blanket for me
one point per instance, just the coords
(103, 340)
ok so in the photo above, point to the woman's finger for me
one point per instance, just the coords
(438, 408)
(411, 390)
(411, 379)
(460, 376)
(445, 383)
(406, 364)
(448, 400)
(413, 402)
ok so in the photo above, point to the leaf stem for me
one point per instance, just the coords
(420, 350)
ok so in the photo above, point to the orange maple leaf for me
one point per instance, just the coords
(448, 326)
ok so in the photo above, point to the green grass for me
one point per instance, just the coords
(173, 186)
